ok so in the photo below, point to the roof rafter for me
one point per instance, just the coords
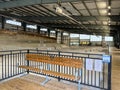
(20, 3)
(77, 17)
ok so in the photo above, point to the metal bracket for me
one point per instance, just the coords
(47, 78)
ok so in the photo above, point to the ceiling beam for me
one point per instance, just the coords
(79, 18)
(101, 27)
(21, 3)
(84, 32)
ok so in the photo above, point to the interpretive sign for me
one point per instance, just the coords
(98, 66)
(106, 58)
(89, 64)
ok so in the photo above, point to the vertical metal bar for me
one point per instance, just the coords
(99, 79)
(8, 66)
(91, 77)
(27, 62)
(85, 71)
(11, 63)
(95, 78)
(59, 67)
(2, 68)
(5, 66)
(24, 59)
(20, 62)
(82, 76)
(109, 73)
(103, 74)
(88, 76)
(16, 64)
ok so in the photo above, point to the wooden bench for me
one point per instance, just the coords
(54, 60)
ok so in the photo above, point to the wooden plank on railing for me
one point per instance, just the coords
(52, 73)
(77, 63)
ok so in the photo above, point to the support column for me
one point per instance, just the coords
(3, 22)
(38, 29)
(48, 32)
(69, 39)
(56, 34)
(24, 26)
(61, 37)
(118, 40)
(103, 41)
(79, 39)
(115, 40)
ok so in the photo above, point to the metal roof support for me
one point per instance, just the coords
(38, 29)
(48, 32)
(3, 22)
(56, 34)
(20, 3)
(77, 17)
(24, 25)
(62, 37)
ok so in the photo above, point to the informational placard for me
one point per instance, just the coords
(106, 58)
(98, 66)
(89, 64)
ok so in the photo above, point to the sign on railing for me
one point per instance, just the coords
(106, 58)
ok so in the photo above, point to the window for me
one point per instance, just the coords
(83, 36)
(52, 31)
(13, 22)
(107, 38)
(66, 34)
(74, 35)
(95, 38)
(32, 26)
(43, 29)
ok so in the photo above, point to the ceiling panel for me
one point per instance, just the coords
(98, 22)
(113, 23)
(79, 6)
(92, 22)
(101, 5)
(85, 22)
(115, 4)
(103, 12)
(70, 8)
(94, 12)
(91, 5)
(115, 11)
(105, 22)
(84, 12)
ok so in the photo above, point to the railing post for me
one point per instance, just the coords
(2, 68)
(59, 66)
(109, 73)
(11, 63)
(27, 62)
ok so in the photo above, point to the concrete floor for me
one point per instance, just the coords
(33, 82)
(115, 69)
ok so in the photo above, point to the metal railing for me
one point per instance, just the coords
(10, 60)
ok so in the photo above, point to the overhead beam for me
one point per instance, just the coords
(101, 27)
(79, 18)
(84, 32)
(60, 25)
(21, 3)
(75, 29)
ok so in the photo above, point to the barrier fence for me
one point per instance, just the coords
(95, 72)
